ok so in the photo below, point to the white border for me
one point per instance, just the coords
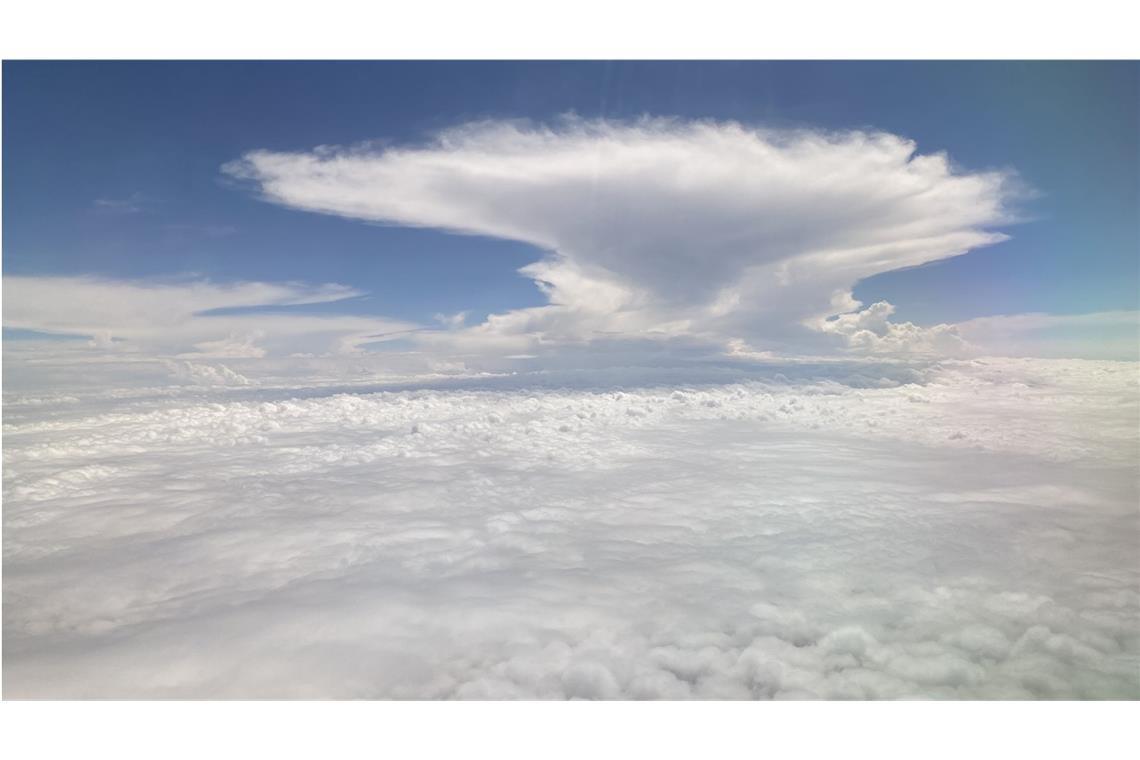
(567, 730)
(582, 29)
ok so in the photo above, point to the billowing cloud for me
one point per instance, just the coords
(862, 529)
(663, 228)
(190, 318)
(871, 331)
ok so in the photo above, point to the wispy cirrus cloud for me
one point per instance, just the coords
(190, 318)
(135, 203)
(1099, 335)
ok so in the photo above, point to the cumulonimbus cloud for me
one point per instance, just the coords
(662, 227)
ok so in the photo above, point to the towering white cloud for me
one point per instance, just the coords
(663, 228)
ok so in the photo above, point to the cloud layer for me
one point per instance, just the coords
(190, 318)
(662, 228)
(858, 530)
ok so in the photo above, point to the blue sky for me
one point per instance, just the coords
(113, 169)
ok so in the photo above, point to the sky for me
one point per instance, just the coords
(123, 177)
(570, 380)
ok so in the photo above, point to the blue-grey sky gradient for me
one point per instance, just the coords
(112, 168)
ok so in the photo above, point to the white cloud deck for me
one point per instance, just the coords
(971, 533)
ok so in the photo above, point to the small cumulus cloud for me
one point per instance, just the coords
(232, 346)
(452, 321)
(871, 331)
(205, 374)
